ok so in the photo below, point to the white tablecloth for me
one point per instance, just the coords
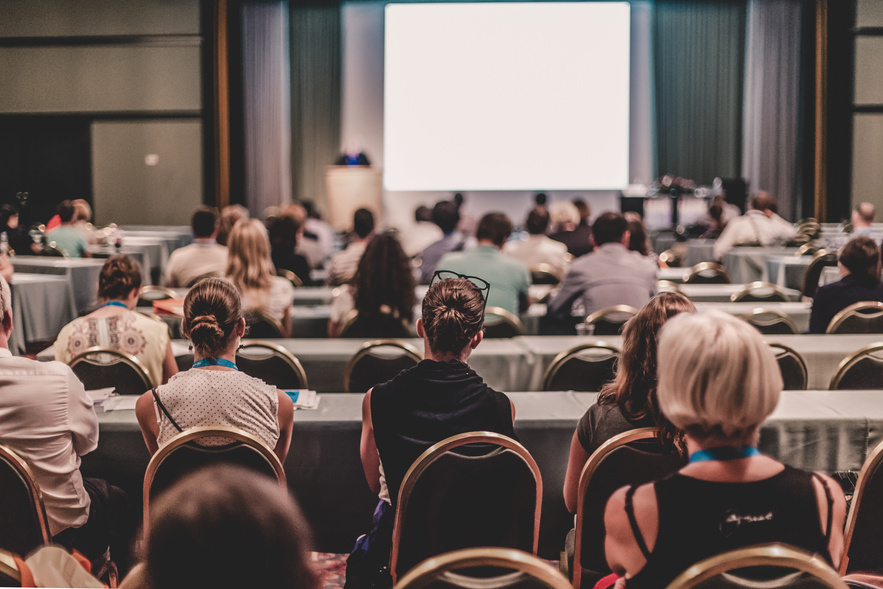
(41, 305)
(82, 272)
(748, 264)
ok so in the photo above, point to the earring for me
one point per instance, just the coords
(190, 348)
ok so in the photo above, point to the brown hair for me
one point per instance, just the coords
(495, 227)
(383, 279)
(634, 387)
(861, 257)
(119, 275)
(212, 310)
(453, 312)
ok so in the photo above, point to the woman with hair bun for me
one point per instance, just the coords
(214, 392)
(116, 324)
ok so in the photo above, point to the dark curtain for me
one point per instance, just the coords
(315, 45)
(699, 49)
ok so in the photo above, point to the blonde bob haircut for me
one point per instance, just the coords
(249, 265)
(717, 377)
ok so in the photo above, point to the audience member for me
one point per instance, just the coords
(862, 218)
(399, 425)
(446, 215)
(204, 257)
(230, 216)
(639, 240)
(509, 279)
(68, 238)
(423, 233)
(83, 220)
(537, 248)
(352, 155)
(585, 212)
(629, 401)
(285, 231)
(343, 264)
(18, 237)
(859, 265)
(567, 228)
(316, 230)
(116, 324)
(214, 392)
(46, 417)
(718, 381)
(223, 527)
(382, 286)
(610, 275)
(468, 224)
(714, 222)
(760, 226)
(250, 268)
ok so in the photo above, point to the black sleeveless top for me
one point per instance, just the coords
(699, 519)
(426, 404)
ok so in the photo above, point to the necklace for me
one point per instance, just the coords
(215, 362)
(724, 453)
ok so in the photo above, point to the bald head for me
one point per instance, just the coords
(863, 215)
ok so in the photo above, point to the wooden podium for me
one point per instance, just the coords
(348, 188)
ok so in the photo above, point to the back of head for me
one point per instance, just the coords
(540, 199)
(422, 214)
(453, 312)
(205, 221)
(249, 265)
(865, 213)
(563, 212)
(639, 241)
(717, 377)
(82, 210)
(861, 256)
(494, 227)
(763, 201)
(212, 311)
(609, 228)
(446, 215)
(537, 221)
(66, 211)
(282, 231)
(6, 211)
(584, 210)
(119, 275)
(383, 278)
(223, 526)
(5, 305)
(363, 223)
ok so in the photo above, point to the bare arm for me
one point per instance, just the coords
(147, 421)
(623, 554)
(169, 366)
(575, 463)
(835, 543)
(286, 322)
(368, 447)
(285, 415)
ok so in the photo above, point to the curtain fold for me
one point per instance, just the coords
(266, 105)
(699, 52)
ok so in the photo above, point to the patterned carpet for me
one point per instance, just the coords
(332, 568)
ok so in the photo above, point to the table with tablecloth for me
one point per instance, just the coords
(41, 305)
(748, 264)
(788, 271)
(139, 254)
(81, 272)
(699, 250)
(797, 311)
(174, 236)
(721, 293)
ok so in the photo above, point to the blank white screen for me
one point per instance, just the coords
(506, 96)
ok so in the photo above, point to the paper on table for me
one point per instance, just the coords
(120, 403)
(180, 349)
(98, 394)
(304, 399)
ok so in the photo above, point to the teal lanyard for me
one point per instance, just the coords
(115, 304)
(215, 362)
(724, 453)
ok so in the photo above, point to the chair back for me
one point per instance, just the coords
(152, 292)
(184, 454)
(24, 523)
(484, 568)
(707, 273)
(500, 323)
(11, 573)
(760, 292)
(99, 367)
(792, 367)
(765, 565)
(860, 370)
(769, 321)
(262, 326)
(586, 367)
(383, 325)
(630, 458)
(669, 259)
(271, 363)
(609, 321)
(864, 523)
(862, 317)
(376, 362)
(52, 250)
(545, 274)
(290, 277)
(813, 274)
(470, 490)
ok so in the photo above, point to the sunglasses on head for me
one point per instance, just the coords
(481, 284)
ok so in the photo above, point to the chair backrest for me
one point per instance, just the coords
(184, 454)
(609, 321)
(820, 260)
(760, 292)
(860, 370)
(152, 292)
(470, 490)
(52, 250)
(99, 367)
(669, 259)
(792, 367)
(262, 326)
(807, 249)
(864, 524)
(862, 317)
(483, 568)
(271, 363)
(290, 277)
(770, 321)
(382, 325)
(707, 273)
(630, 458)
(11, 573)
(500, 323)
(376, 362)
(585, 367)
(545, 274)
(24, 523)
(783, 566)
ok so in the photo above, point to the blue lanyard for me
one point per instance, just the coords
(724, 453)
(115, 304)
(215, 362)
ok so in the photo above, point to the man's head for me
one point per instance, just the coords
(863, 215)
(363, 223)
(446, 215)
(537, 221)
(82, 210)
(205, 222)
(764, 202)
(5, 309)
(66, 211)
(584, 210)
(861, 257)
(494, 228)
(609, 228)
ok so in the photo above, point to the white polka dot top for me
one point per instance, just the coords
(200, 397)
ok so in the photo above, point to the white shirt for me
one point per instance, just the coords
(46, 418)
(343, 264)
(273, 302)
(201, 258)
(417, 237)
(539, 249)
(753, 227)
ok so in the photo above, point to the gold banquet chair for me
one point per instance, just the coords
(610, 321)
(470, 490)
(500, 323)
(770, 321)
(864, 523)
(99, 368)
(820, 260)
(152, 292)
(515, 568)
(862, 317)
(760, 292)
(383, 325)
(378, 361)
(707, 273)
(860, 370)
(25, 525)
(792, 367)
(261, 325)
(545, 274)
(271, 363)
(586, 367)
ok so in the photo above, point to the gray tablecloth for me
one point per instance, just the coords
(174, 236)
(139, 254)
(41, 305)
(721, 293)
(798, 311)
(699, 250)
(748, 264)
(82, 272)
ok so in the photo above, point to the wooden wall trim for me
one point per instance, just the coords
(821, 112)
(222, 106)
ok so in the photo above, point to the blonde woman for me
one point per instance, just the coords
(250, 268)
